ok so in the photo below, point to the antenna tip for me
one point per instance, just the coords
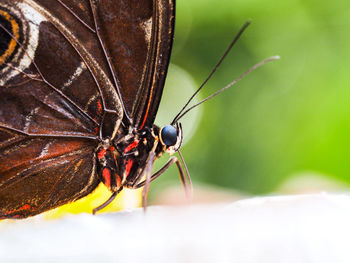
(272, 58)
(247, 23)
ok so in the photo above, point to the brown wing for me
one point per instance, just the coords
(58, 87)
(137, 36)
(39, 174)
(54, 94)
(54, 65)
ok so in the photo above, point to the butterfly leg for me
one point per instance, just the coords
(147, 181)
(186, 184)
(110, 200)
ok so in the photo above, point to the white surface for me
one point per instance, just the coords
(305, 228)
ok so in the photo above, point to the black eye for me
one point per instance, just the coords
(169, 135)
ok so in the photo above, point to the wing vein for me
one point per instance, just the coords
(45, 81)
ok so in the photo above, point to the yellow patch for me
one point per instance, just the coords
(15, 33)
(126, 199)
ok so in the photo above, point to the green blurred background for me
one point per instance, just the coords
(288, 118)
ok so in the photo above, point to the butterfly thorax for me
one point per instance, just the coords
(121, 162)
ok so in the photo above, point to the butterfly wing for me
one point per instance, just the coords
(139, 46)
(39, 174)
(53, 95)
(69, 71)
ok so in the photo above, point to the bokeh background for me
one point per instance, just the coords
(283, 129)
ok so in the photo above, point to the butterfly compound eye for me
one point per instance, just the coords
(169, 135)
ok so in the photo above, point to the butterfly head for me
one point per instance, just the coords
(171, 137)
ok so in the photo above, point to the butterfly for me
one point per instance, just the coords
(80, 86)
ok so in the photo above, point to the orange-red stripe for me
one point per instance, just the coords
(131, 146)
(128, 166)
(147, 110)
(119, 181)
(107, 177)
(101, 153)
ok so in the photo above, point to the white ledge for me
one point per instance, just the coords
(302, 228)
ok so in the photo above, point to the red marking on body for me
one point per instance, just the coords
(128, 166)
(115, 158)
(112, 149)
(107, 177)
(101, 153)
(131, 146)
(119, 181)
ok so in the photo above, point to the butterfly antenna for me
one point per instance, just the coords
(238, 35)
(256, 66)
